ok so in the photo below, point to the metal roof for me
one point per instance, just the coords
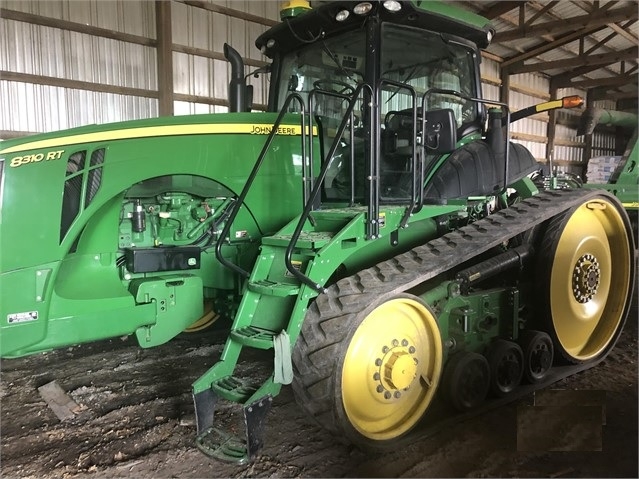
(588, 44)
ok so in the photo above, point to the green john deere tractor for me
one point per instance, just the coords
(375, 230)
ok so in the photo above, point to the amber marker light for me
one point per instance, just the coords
(573, 101)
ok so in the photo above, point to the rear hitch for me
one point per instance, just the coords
(227, 445)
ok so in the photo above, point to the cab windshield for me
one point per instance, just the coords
(425, 60)
(420, 59)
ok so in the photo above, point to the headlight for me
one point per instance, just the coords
(392, 6)
(362, 8)
(342, 15)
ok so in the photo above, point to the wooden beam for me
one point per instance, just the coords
(231, 12)
(164, 57)
(529, 91)
(550, 38)
(607, 38)
(76, 84)
(75, 27)
(551, 45)
(213, 55)
(499, 8)
(623, 31)
(491, 56)
(602, 59)
(557, 26)
(9, 134)
(610, 81)
(604, 94)
(564, 79)
(207, 100)
(491, 81)
(541, 12)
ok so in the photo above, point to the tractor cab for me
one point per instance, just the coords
(375, 66)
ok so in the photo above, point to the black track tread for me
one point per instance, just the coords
(331, 317)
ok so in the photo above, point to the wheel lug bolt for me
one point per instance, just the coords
(411, 349)
(404, 342)
(376, 376)
(385, 349)
(395, 342)
(387, 395)
(380, 389)
(378, 362)
(397, 394)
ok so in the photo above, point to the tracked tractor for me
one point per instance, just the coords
(375, 233)
(624, 180)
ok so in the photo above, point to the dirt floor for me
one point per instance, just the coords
(135, 419)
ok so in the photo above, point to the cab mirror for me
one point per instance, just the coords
(439, 131)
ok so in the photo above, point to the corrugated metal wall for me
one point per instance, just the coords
(195, 75)
(532, 132)
(54, 52)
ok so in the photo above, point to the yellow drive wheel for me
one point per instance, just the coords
(391, 369)
(209, 316)
(586, 277)
(369, 375)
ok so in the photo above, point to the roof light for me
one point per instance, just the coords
(342, 15)
(362, 8)
(270, 43)
(392, 6)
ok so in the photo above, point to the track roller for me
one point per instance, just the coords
(466, 380)
(506, 363)
(538, 354)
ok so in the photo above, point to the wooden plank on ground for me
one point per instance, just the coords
(59, 402)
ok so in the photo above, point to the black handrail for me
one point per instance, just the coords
(311, 96)
(316, 188)
(478, 100)
(415, 204)
(251, 178)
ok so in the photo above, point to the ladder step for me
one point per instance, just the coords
(254, 337)
(272, 288)
(312, 240)
(234, 389)
(223, 446)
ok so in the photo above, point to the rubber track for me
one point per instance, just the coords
(331, 316)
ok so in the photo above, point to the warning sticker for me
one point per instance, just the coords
(14, 318)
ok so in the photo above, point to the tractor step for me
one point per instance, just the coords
(309, 240)
(254, 337)
(220, 445)
(233, 389)
(232, 447)
(273, 288)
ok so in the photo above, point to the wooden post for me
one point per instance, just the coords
(587, 151)
(164, 57)
(504, 91)
(552, 124)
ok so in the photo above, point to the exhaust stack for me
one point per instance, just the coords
(237, 85)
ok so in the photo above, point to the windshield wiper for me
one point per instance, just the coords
(333, 57)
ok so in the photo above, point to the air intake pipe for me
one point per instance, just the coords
(237, 85)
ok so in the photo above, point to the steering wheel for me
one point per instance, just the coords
(326, 84)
